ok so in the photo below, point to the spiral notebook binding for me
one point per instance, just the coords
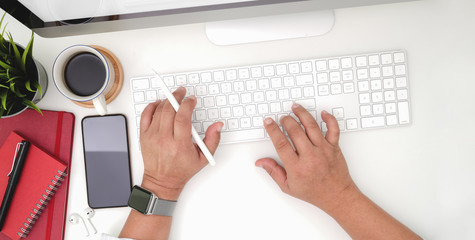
(42, 202)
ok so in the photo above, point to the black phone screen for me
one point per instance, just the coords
(106, 158)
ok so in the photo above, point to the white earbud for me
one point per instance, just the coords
(89, 214)
(75, 218)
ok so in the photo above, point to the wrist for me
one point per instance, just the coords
(345, 199)
(161, 191)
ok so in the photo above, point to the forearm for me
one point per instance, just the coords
(363, 219)
(140, 226)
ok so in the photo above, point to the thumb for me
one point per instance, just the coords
(276, 171)
(213, 136)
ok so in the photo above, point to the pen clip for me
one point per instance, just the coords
(18, 145)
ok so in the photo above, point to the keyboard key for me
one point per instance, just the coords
(335, 76)
(389, 96)
(361, 61)
(275, 107)
(377, 97)
(242, 135)
(294, 68)
(323, 90)
(281, 69)
(296, 93)
(399, 57)
(251, 85)
(375, 72)
(347, 75)
(308, 92)
(232, 125)
(322, 77)
(391, 120)
(244, 73)
(388, 71)
(139, 96)
(390, 107)
(388, 83)
(256, 72)
(363, 86)
(246, 98)
(400, 70)
(264, 84)
(304, 79)
(257, 121)
(308, 104)
(206, 77)
(346, 63)
(200, 115)
(372, 122)
(376, 85)
(272, 95)
(250, 110)
(221, 101)
(365, 110)
(208, 102)
(352, 124)
(259, 97)
(226, 112)
(306, 67)
(321, 65)
(139, 108)
(362, 73)
(364, 98)
(338, 113)
(238, 111)
(401, 94)
(348, 87)
(284, 94)
(335, 89)
(140, 84)
(151, 96)
(378, 109)
(373, 60)
(289, 81)
(238, 86)
(333, 64)
(401, 82)
(276, 82)
(213, 113)
(386, 58)
(226, 87)
(245, 122)
(231, 74)
(180, 80)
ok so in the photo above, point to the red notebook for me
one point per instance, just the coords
(41, 176)
(52, 132)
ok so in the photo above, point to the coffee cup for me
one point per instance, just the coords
(82, 73)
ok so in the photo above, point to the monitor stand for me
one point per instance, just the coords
(268, 28)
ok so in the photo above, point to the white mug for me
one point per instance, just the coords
(59, 67)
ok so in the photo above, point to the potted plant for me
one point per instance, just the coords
(23, 80)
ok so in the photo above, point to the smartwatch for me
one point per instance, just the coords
(148, 203)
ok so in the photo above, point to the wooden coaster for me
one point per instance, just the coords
(118, 80)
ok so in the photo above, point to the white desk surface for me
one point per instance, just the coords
(424, 174)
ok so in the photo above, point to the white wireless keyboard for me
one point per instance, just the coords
(363, 91)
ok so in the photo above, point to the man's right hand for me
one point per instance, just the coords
(315, 171)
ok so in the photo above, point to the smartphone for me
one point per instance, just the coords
(106, 158)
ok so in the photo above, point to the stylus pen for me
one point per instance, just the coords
(13, 178)
(195, 135)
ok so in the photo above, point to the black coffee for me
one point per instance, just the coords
(85, 74)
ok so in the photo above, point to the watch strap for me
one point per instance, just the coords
(162, 207)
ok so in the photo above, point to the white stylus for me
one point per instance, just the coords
(195, 135)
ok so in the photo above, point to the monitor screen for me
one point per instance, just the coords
(54, 18)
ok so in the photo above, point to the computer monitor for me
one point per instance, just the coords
(57, 18)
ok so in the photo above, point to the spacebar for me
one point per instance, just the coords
(242, 135)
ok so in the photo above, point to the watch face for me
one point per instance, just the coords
(139, 199)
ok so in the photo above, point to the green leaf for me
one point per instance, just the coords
(3, 86)
(6, 66)
(37, 85)
(28, 53)
(18, 58)
(28, 86)
(30, 104)
(3, 97)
